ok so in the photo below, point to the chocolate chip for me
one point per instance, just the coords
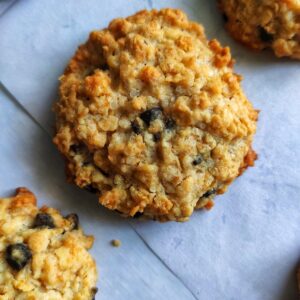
(90, 72)
(91, 189)
(225, 17)
(105, 67)
(136, 128)
(150, 115)
(94, 292)
(43, 220)
(170, 124)
(156, 136)
(74, 219)
(198, 160)
(264, 35)
(137, 215)
(76, 148)
(209, 193)
(18, 255)
(103, 172)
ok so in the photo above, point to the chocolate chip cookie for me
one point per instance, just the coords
(264, 24)
(152, 118)
(43, 255)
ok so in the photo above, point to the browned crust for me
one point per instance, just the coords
(249, 161)
(23, 197)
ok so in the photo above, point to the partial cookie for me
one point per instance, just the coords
(152, 118)
(43, 255)
(265, 24)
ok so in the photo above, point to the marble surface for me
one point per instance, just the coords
(247, 247)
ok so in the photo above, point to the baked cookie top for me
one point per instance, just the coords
(43, 255)
(265, 24)
(152, 118)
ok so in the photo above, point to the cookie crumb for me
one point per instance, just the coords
(116, 243)
(210, 204)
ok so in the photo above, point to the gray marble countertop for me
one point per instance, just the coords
(247, 247)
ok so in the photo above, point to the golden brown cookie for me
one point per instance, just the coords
(152, 118)
(43, 255)
(264, 24)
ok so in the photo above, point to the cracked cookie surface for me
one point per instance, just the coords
(264, 24)
(152, 118)
(43, 255)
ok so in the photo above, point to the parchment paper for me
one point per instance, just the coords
(4, 5)
(247, 247)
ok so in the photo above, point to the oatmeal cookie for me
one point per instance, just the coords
(264, 24)
(43, 255)
(152, 118)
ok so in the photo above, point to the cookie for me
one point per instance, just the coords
(43, 255)
(152, 118)
(264, 24)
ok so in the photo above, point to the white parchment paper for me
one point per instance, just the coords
(247, 247)
(4, 5)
